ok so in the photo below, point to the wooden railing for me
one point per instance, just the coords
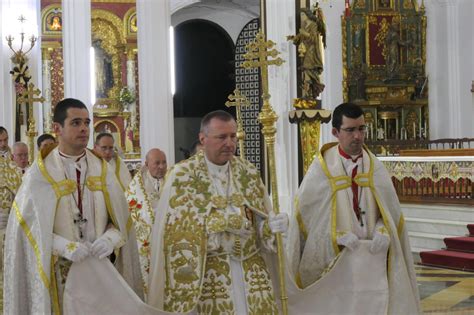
(394, 147)
(436, 179)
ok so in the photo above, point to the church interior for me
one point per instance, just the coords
(148, 71)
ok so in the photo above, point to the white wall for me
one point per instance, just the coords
(232, 17)
(450, 67)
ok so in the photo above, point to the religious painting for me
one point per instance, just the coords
(52, 21)
(383, 39)
(103, 70)
(384, 4)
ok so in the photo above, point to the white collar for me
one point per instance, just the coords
(216, 169)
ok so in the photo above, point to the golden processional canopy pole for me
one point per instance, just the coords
(28, 98)
(257, 56)
(238, 100)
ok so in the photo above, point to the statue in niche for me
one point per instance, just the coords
(359, 76)
(103, 70)
(392, 45)
(310, 50)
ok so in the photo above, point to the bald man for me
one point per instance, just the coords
(20, 156)
(142, 196)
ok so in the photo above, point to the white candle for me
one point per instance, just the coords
(414, 130)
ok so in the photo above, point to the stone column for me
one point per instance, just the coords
(77, 42)
(280, 22)
(156, 104)
(47, 114)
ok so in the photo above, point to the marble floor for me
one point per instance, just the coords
(444, 291)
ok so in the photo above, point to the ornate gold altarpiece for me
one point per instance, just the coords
(384, 58)
(114, 33)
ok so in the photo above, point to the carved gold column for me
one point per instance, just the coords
(309, 122)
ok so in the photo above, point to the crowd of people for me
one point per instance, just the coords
(198, 237)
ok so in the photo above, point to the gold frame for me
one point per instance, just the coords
(126, 22)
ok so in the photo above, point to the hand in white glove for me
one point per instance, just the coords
(73, 251)
(278, 223)
(380, 243)
(105, 244)
(102, 247)
(349, 240)
(3, 220)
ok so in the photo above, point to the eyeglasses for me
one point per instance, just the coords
(361, 129)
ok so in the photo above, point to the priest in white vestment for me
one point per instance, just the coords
(69, 207)
(104, 147)
(142, 196)
(213, 237)
(348, 248)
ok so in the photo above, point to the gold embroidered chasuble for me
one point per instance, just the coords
(193, 250)
(10, 180)
(141, 197)
(35, 275)
(323, 212)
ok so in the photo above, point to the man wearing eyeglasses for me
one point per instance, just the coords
(347, 238)
(104, 147)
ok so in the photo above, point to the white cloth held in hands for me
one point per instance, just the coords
(380, 243)
(349, 240)
(73, 251)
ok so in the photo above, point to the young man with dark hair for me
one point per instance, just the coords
(105, 148)
(45, 140)
(68, 209)
(348, 227)
(214, 225)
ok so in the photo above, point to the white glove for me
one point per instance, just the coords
(380, 243)
(73, 251)
(105, 244)
(3, 220)
(349, 240)
(278, 223)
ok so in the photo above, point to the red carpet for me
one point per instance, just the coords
(463, 244)
(459, 253)
(449, 259)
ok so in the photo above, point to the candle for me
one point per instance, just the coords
(414, 130)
